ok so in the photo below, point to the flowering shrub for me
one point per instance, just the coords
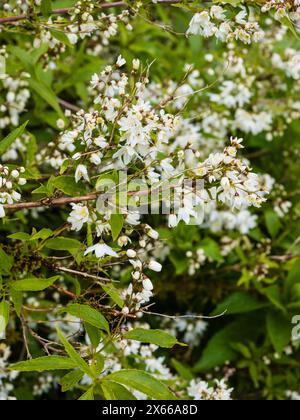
(149, 200)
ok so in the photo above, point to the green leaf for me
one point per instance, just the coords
(238, 303)
(70, 380)
(143, 382)
(279, 330)
(89, 315)
(114, 294)
(46, 93)
(63, 244)
(286, 21)
(46, 8)
(34, 284)
(182, 370)
(68, 185)
(273, 223)
(293, 277)
(6, 262)
(74, 356)
(211, 249)
(274, 295)
(98, 364)
(116, 223)
(17, 299)
(88, 395)
(158, 337)
(93, 333)
(113, 391)
(219, 349)
(43, 364)
(11, 138)
(4, 316)
(42, 234)
(62, 37)
(20, 236)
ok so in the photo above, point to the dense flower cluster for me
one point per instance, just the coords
(6, 377)
(215, 23)
(10, 182)
(130, 205)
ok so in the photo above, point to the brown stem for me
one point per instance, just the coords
(51, 202)
(67, 105)
(120, 4)
(81, 274)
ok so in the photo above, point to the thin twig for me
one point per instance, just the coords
(67, 10)
(67, 105)
(82, 274)
(24, 328)
(51, 202)
(185, 316)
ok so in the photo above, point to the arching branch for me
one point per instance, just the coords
(67, 10)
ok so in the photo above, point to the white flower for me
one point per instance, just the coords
(81, 172)
(201, 25)
(60, 124)
(173, 221)
(73, 38)
(121, 61)
(2, 211)
(123, 241)
(133, 218)
(218, 12)
(101, 250)
(131, 253)
(240, 17)
(136, 64)
(153, 234)
(155, 266)
(78, 216)
(147, 285)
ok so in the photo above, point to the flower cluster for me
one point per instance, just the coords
(10, 181)
(283, 8)
(201, 390)
(14, 95)
(214, 22)
(6, 377)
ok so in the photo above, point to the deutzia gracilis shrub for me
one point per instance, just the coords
(149, 200)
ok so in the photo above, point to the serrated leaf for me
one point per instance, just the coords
(70, 380)
(74, 356)
(116, 224)
(89, 315)
(68, 185)
(113, 392)
(34, 284)
(44, 364)
(158, 337)
(88, 395)
(114, 294)
(143, 382)
(63, 244)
